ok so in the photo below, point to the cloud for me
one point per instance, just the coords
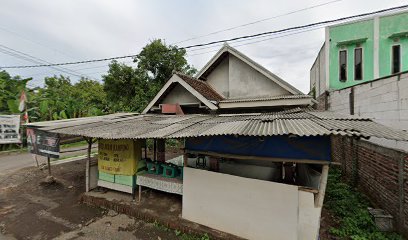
(68, 30)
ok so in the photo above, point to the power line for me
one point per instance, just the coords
(225, 40)
(30, 58)
(258, 21)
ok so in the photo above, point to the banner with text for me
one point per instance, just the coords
(43, 143)
(9, 129)
(118, 156)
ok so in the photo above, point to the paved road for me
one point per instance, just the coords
(10, 162)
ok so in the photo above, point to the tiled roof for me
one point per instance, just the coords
(298, 122)
(202, 87)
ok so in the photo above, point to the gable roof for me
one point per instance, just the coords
(200, 89)
(226, 49)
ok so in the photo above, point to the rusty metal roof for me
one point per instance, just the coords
(300, 122)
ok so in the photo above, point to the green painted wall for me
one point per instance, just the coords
(357, 30)
(388, 26)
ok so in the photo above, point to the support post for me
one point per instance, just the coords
(161, 150)
(154, 150)
(140, 193)
(322, 186)
(88, 164)
(49, 164)
(185, 160)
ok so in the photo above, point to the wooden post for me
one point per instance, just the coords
(49, 164)
(322, 186)
(145, 148)
(154, 149)
(88, 163)
(185, 160)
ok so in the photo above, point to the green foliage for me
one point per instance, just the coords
(131, 89)
(350, 207)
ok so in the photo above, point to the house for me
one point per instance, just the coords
(361, 51)
(255, 157)
(229, 83)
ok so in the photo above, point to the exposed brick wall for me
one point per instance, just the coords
(381, 173)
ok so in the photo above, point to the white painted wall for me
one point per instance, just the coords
(249, 208)
(246, 82)
(180, 95)
(384, 100)
(219, 78)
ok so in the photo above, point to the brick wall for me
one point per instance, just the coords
(381, 173)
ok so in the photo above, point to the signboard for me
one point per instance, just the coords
(43, 143)
(118, 156)
(9, 129)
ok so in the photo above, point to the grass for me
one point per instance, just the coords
(179, 234)
(350, 208)
(74, 144)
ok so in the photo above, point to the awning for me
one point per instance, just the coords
(297, 122)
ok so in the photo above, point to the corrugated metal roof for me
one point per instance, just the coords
(298, 122)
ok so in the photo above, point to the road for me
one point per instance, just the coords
(10, 162)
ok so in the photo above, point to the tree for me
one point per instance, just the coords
(130, 89)
(159, 61)
(10, 91)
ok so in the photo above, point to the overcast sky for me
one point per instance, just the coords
(72, 30)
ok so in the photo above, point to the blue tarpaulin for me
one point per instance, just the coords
(313, 148)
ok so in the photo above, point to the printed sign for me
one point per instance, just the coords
(9, 129)
(118, 156)
(43, 143)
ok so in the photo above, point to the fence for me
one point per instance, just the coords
(379, 172)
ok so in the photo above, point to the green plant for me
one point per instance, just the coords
(348, 205)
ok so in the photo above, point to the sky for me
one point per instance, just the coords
(74, 30)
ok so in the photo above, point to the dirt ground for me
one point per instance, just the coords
(32, 209)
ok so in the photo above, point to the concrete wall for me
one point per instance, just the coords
(387, 26)
(352, 31)
(318, 73)
(384, 100)
(180, 95)
(219, 78)
(236, 79)
(249, 208)
(246, 82)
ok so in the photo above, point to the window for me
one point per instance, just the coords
(358, 64)
(343, 65)
(396, 59)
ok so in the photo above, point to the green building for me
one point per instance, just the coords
(361, 51)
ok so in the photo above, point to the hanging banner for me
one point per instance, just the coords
(118, 156)
(10, 129)
(43, 143)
